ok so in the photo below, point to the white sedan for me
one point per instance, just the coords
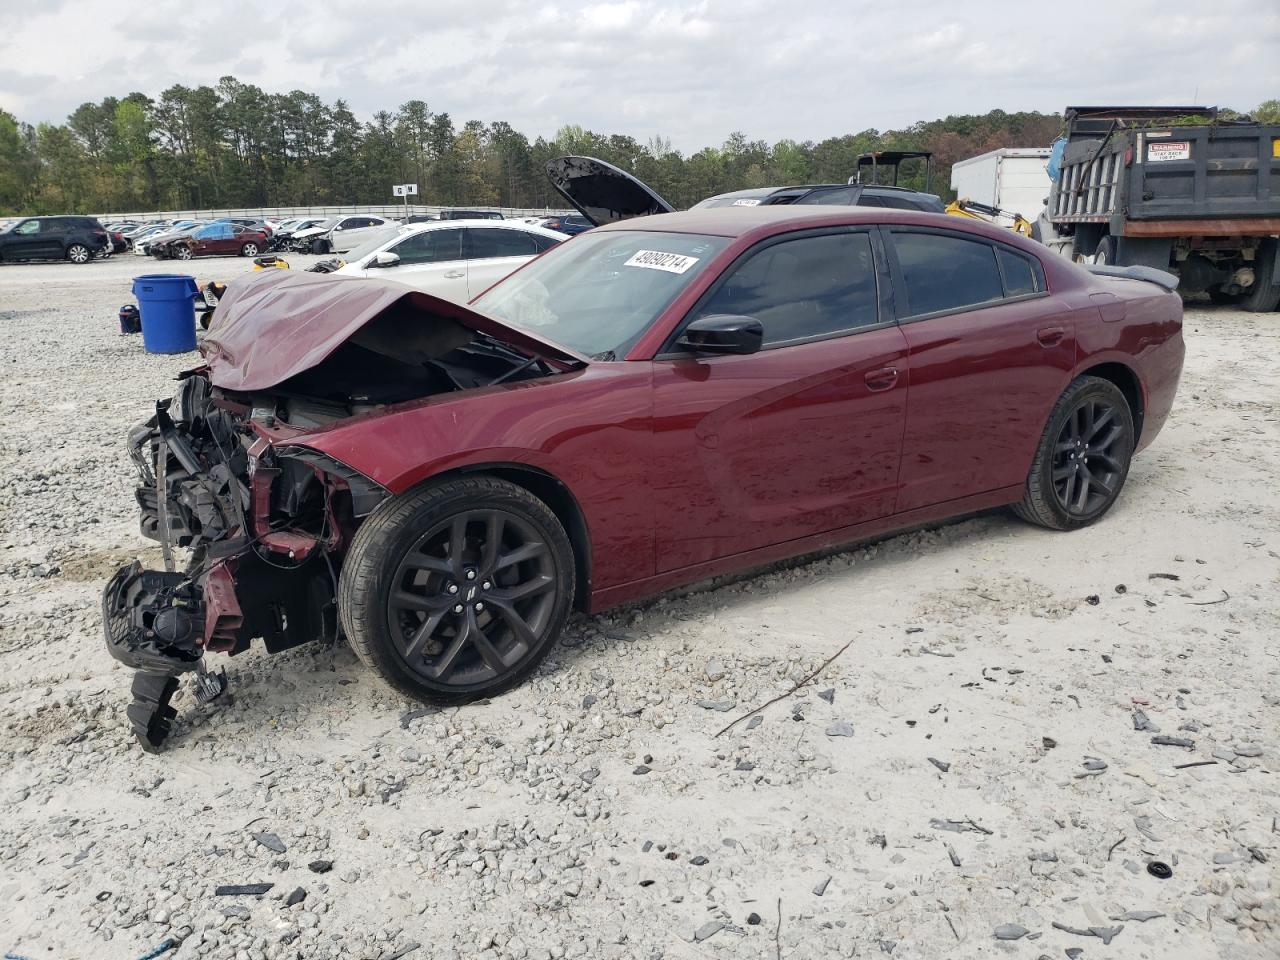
(454, 259)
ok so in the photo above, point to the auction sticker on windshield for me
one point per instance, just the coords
(657, 260)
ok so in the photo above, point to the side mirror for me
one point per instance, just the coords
(385, 259)
(722, 333)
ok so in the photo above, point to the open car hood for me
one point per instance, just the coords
(601, 192)
(271, 325)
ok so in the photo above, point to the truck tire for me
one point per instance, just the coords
(1105, 255)
(1264, 295)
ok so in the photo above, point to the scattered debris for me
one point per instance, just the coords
(707, 930)
(1106, 934)
(959, 826)
(720, 706)
(1010, 931)
(821, 887)
(1142, 722)
(1198, 763)
(271, 842)
(1142, 916)
(753, 919)
(826, 663)
(297, 896)
(841, 728)
(320, 866)
(242, 889)
(1159, 869)
(951, 852)
(1163, 576)
(940, 764)
(1112, 848)
(1048, 742)
(828, 695)
(1166, 741)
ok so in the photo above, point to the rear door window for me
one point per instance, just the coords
(483, 243)
(430, 246)
(803, 289)
(943, 272)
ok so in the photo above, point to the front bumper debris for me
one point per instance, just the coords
(263, 533)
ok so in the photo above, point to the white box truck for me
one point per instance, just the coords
(1012, 179)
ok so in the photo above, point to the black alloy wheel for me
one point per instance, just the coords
(457, 591)
(471, 597)
(1082, 460)
(1086, 473)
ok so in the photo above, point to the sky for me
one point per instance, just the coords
(690, 71)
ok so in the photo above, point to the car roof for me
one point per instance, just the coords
(483, 223)
(764, 220)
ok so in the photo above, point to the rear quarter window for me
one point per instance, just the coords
(1022, 274)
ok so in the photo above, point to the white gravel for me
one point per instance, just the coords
(965, 781)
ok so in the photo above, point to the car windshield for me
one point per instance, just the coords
(375, 242)
(600, 291)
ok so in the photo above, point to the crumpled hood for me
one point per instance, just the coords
(271, 325)
(309, 232)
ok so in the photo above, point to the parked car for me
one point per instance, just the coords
(143, 247)
(253, 223)
(339, 234)
(212, 240)
(282, 239)
(118, 242)
(571, 224)
(454, 259)
(78, 239)
(655, 402)
(470, 215)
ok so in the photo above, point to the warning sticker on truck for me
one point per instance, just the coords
(1170, 150)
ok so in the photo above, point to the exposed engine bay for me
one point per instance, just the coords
(225, 475)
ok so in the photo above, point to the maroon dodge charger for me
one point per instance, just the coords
(654, 402)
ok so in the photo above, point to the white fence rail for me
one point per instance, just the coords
(393, 210)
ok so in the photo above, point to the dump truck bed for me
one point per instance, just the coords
(1227, 175)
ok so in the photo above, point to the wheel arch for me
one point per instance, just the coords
(555, 493)
(1127, 382)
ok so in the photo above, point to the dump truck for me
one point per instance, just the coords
(1183, 189)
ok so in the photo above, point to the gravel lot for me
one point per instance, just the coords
(971, 769)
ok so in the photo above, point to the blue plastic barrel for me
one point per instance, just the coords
(167, 303)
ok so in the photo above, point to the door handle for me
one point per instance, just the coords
(881, 379)
(1050, 336)
(454, 274)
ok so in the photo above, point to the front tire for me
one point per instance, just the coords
(319, 246)
(182, 253)
(457, 590)
(1083, 457)
(79, 253)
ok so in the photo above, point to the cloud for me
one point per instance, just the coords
(691, 71)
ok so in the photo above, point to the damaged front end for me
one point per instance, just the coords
(226, 475)
(265, 526)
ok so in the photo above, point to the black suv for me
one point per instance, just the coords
(77, 239)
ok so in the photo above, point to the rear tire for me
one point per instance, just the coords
(249, 250)
(1264, 295)
(1082, 460)
(457, 590)
(79, 253)
(1105, 255)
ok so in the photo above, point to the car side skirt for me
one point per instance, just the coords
(844, 536)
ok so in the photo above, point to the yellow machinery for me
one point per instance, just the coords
(981, 211)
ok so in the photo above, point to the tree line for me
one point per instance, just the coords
(236, 145)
